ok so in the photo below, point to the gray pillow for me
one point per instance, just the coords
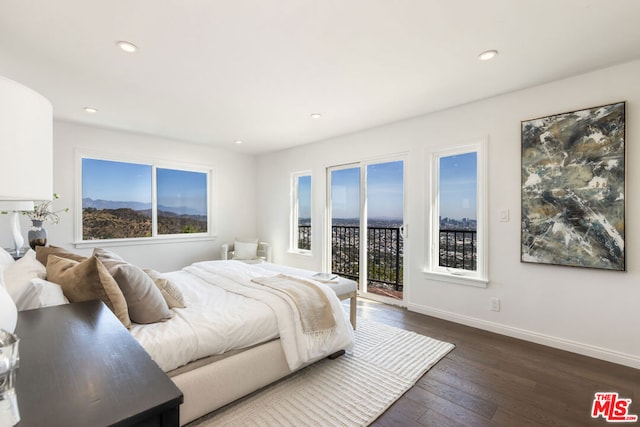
(144, 300)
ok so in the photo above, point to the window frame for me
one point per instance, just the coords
(155, 237)
(433, 271)
(293, 232)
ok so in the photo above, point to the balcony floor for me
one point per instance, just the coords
(383, 291)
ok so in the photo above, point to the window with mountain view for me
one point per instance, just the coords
(118, 200)
(182, 201)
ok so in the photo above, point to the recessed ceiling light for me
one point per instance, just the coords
(487, 55)
(90, 110)
(237, 141)
(316, 115)
(127, 46)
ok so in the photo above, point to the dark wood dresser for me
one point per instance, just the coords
(79, 366)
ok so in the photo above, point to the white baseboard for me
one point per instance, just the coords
(551, 341)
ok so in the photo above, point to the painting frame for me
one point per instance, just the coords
(573, 188)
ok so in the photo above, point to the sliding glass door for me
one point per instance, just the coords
(366, 227)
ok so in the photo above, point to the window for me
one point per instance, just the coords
(123, 200)
(182, 201)
(458, 250)
(301, 212)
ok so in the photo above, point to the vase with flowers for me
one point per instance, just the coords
(43, 212)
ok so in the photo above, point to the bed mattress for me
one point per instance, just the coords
(227, 311)
(213, 322)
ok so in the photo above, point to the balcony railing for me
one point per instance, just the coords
(345, 251)
(458, 249)
(384, 264)
(385, 248)
(304, 237)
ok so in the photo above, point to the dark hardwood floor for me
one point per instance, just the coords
(494, 380)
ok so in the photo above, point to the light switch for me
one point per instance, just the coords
(504, 215)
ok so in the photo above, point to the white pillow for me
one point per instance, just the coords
(246, 239)
(242, 250)
(8, 309)
(17, 276)
(5, 259)
(41, 293)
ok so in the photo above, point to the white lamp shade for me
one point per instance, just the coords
(13, 205)
(26, 143)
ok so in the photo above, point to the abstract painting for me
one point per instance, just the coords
(573, 188)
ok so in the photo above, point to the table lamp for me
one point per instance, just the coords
(14, 208)
(26, 164)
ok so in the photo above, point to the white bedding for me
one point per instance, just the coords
(216, 320)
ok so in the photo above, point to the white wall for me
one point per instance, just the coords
(583, 310)
(233, 205)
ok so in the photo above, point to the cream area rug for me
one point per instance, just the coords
(352, 390)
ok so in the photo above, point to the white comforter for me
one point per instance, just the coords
(225, 311)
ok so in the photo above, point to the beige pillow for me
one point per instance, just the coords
(88, 280)
(43, 252)
(171, 293)
(145, 301)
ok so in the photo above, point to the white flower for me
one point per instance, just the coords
(44, 212)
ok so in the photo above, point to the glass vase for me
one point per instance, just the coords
(37, 235)
(9, 362)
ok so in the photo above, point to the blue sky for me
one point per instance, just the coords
(131, 182)
(178, 188)
(385, 197)
(116, 181)
(345, 193)
(384, 191)
(304, 196)
(125, 182)
(458, 186)
(458, 189)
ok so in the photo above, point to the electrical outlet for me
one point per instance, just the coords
(495, 304)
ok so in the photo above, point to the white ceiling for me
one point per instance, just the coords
(212, 72)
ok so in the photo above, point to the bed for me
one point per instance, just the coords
(250, 351)
(219, 329)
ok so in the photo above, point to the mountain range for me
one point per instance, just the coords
(136, 206)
